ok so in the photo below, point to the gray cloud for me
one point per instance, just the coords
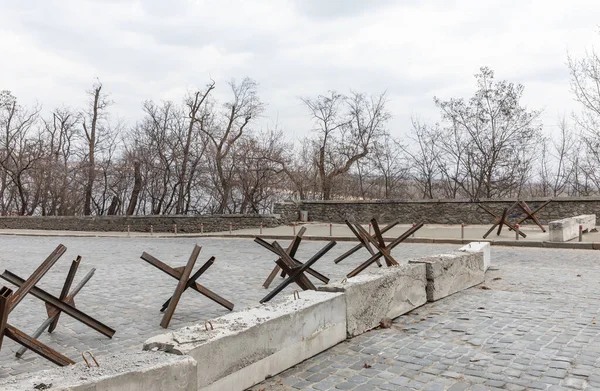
(54, 50)
(333, 9)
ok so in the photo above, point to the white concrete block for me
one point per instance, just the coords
(246, 347)
(588, 222)
(476, 247)
(142, 371)
(386, 292)
(562, 230)
(451, 273)
(567, 229)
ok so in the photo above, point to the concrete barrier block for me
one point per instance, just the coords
(384, 293)
(247, 346)
(563, 230)
(568, 229)
(141, 371)
(587, 222)
(476, 247)
(451, 273)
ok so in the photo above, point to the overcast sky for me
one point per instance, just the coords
(52, 51)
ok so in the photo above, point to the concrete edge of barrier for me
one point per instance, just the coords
(483, 247)
(508, 243)
(567, 229)
(572, 245)
(453, 272)
(383, 293)
(518, 243)
(140, 371)
(248, 346)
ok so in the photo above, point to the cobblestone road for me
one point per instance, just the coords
(126, 292)
(536, 327)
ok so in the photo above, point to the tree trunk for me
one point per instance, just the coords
(91, 137)
(326, 184)
(114, 205)
(137, 187)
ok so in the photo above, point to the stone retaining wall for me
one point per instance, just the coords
(185, 224)
(432, 211)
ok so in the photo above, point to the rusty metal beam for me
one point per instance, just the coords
(359, 246)
(293, 265)
(65, 290)
(363, 239)
(38, 347)
(390, 247)
(36, 276)
(192, 280)
(379, 244)
(292, 248)
(297, 271)
(53, 313)
(55, 302)
(530, 214)
(177, 275)
(500, 220)
(310, 271)
(5, 297)
(181, 285)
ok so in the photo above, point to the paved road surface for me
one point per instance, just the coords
(126, 293)
(536, 327)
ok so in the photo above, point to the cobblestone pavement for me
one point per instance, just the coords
(126, 292)
(532, 325)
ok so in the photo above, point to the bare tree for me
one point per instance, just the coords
(424, 164)
(20, 146)
(557, 161)
(391, 167)
(301, 171)
(346, 130)
(194, 104)
(500, 136)
(109, 186)
(154, 141)
(60, 192)
(224, 128)
(585, 86)
(259, 170)
(92, 129)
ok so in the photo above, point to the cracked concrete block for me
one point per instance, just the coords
(567, 229)
(387, 292)
(451, 273)
(484, 247)
(563, 230)
(143, 371)
(248, 346)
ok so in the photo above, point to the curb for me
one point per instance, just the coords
(506, 243)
